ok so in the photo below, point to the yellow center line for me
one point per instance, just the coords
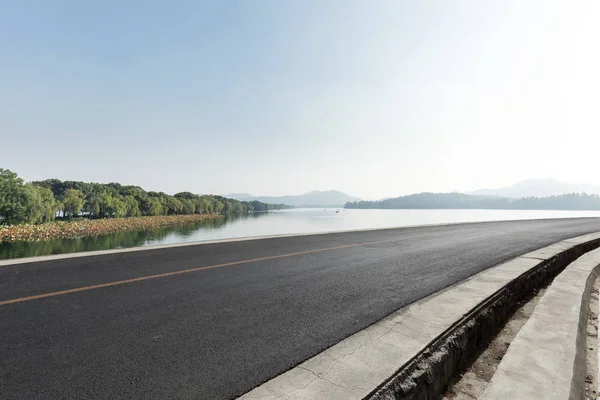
(183, 271)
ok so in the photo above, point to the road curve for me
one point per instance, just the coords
(212, 321)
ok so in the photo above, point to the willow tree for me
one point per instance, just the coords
(73, 201)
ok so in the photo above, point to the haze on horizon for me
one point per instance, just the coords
(275, 98)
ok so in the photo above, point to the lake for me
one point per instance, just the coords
(296, 221)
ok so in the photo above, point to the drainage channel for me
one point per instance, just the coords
(471, 383)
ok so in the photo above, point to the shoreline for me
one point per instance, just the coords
(94, 227)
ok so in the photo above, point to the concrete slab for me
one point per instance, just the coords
(546, 358)
(583, 238)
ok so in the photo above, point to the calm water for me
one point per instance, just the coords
(277, 223)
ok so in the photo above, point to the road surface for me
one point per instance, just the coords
(213, 321)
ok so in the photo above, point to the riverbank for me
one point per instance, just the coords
(85, 227)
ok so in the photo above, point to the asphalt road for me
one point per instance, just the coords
(217, 332)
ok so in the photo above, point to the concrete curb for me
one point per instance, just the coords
(413, 352)
(547, 359)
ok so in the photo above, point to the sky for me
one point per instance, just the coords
(373, 98)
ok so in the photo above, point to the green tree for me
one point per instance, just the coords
(119, 207)
(12, 198)
(162, 198)
(60, 207)
(48, 204)
(39, 201)
(92, 204)
(144, 204)
(186, 195)
(217, 206)
(94, 208)
(208, 206)
(188, 206)
(34, 208)
(155, 206)
(238, 208)
(174, 206)
(106, 203)
(132, 208)
(73, 201)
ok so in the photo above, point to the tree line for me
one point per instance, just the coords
(41, 201)
(572, 201)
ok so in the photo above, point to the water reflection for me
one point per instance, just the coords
(114, 240)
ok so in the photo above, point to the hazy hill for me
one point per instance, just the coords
(538, 188)
(466, 201)
(328, 198)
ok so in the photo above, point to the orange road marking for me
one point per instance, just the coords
(184, 271)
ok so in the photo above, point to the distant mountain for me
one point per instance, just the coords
(466, 201)
(538, 188)
(328, 198)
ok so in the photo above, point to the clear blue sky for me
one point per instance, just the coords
(376, 99)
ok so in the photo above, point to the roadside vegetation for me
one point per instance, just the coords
(28, 210)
